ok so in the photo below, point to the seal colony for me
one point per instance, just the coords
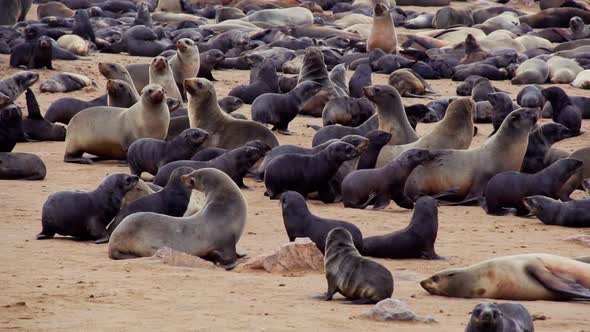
(167, 118)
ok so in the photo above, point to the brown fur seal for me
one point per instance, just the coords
(409, 83)
(473, 52)
(528, 277)
(120, 94)
(466, 172)
(347, 111)
(65, 82)
(554, 17)
(36, 127)
(160, 73)
(391, 113)
(15, 85)
(564, 111)
(84, 215)
(454, 131)
(114, 71)
(108, 132)
(553, 212)
(21, 166)
(54, 8)
(507, 189)
(314, 69)
(415, 241)
(224, 131)
(379, 186)
(350, 274)
(300, 222)
(186, 63)
(382, 34)
(211, 234)
(500, 317)
(538, 153)
(448, 17)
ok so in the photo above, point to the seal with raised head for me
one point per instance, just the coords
(538, 153)
(530, 96)
(149, 154)
(379, 186)
(15, 85)
(382, 34)
(212, 233)
(500, 317)
(33, 55)
(357, 278)
(160, 73)
(415, 241)
(186, 63)
(209, 59)
(21, 166)
(120, 94)
(528, 277)
(300, 222)
(473, 52)
(377, 140)
(553, 212)
(108, 132)
(114, 71)
(466, 172)
(507, 189)
(172, 200)
(224, 131)
(286, 172)
(36, 127)
(502, 105)
(454, 131)
(280, 109)
(84, 215)
(11, 127)
(360, 79)
(263, 79)
(314, 69)
(564, 111)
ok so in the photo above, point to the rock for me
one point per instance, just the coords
(581, 239)
(539, 317)
(394, 310)
(178, 258)
(302, 255)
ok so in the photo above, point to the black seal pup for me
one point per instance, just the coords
(21, 166)
(553, 212)
(33, 54)
(539, 153)
(149, 154)
(507, 189)
(377, 140)
(280, 109)
(564, 111)
(379, 186)
(300, 222)
(172, 200)
(11, 128)
(359, 279)
(500, 317)
(263, 79)
(84, 215)
(36, 127)
(306, 174)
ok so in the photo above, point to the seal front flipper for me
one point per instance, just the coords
(361, 302)
(555, 282)
(33, 105)
(403, 201)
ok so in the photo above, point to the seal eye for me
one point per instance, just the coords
(435, 278)
(476, 312)
(451, 275)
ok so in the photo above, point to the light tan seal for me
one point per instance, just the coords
(225, 131)
(563, 70)
(161, 74)
(107, 132)
(528, 277)
(409, 83)
(212, 233)
(383, 33)
(172, 6)
(582, 81)
(186, 62)
(74, 44)
(466, 172)
(454, 131)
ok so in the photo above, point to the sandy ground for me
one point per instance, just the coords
(64, 285)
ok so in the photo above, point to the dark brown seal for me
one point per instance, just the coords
(500, 317)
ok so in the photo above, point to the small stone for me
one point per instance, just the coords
(394, 310)
(302, 255)
(539, 317)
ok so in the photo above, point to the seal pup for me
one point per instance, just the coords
(114, 71)
(360, 79)
(280, 109)
(36, 127)
(409, 83)
(149, 154)
(84, 215)
(502, 152)
(500, 317)
(454, 131)
(21, 166)
(564, 111)
(507, 189)
(13, 86)
(65, 82)
(530, 96)
(208, 61)
(108, 132)
(359, 279)
(263, 79)
(120, 94)
(160, 73)
(415, 241)
(539, 153)
(391, 114)
(383, 33)
(377, 140)
(300, 222)
(473, 52)
(172, 200)
(11, 127)
(224, 131)
(327, 133)
(33, 54)
(212, 233)
(379, 186)
(306, 174)
(550, 211)
(502, 105)
(74, 44)
(527, 277)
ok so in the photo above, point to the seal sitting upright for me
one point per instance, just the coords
(211, 234)
(359, 279)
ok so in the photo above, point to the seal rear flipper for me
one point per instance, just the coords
(33, 105)
(412, 95)
(568, 288)
(314, 127)
(584, 259)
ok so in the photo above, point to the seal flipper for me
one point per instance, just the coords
(33, 105)
(555, 282)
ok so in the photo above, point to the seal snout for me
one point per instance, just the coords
(380, 9)
(193, 85)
